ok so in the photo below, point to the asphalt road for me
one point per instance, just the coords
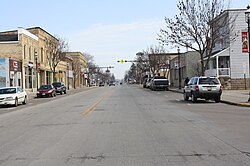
(125, 126)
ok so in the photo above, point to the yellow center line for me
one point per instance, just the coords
(92, 108)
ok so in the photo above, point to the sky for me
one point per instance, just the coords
(109, 30)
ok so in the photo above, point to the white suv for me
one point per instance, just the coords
(203, 87)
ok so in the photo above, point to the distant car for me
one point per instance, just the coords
(159, 83)
(59, 87)
(46, 91)
(111, 84)
(101, 84)
(13, 96)
(203, 87)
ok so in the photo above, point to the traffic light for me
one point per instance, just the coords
(122, 61)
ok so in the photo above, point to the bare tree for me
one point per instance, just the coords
(157, 59)
(199, 25)
(91, 66)
(55, 48)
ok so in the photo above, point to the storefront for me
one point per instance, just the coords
(15, 72)
(10, 72)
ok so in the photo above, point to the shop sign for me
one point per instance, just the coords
(244, 42)
(15, 65)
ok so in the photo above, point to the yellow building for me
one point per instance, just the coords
(46, 70)
(28, 48)
(79, 68)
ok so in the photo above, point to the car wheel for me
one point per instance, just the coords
(194, 99)
(217, 99)
(16, 102)
(185, 96)
(65, 92)
(61, 92)
(25, 100)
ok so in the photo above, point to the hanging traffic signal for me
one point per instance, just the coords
(122, 61)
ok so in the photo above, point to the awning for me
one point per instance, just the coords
(224, 52)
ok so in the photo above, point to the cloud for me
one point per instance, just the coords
(111, 42)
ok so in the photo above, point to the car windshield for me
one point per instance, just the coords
(210, 81)
(58, 84)
(45, 87)
(8, 91)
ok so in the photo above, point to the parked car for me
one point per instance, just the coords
(13, 96)
(59, 87)
(101, 84)
(111, 84)
(159, 83)
(46, 91)
(203, 87)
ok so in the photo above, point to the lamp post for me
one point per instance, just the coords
(35, 54)
(68, 73)
(247, 16)
(179, 66)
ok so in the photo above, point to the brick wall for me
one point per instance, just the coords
(240, 83)
(235, 83)
(10, 50)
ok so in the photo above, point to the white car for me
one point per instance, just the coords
(12, 96)
(203, 87)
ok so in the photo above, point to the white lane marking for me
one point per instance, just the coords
(166, 95)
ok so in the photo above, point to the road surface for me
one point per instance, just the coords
(125, 125)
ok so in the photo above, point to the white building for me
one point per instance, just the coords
(230, 61)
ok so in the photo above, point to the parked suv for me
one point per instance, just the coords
(159, 82)
(203, 87)
(59, 87)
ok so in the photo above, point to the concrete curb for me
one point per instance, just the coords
(235, 104)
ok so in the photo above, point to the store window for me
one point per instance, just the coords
(24, 52)
(28, 77)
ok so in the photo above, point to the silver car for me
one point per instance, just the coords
(204, 88)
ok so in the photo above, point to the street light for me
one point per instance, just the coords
(179, 66)
(68, 73)
(247, 16)
(35, 54)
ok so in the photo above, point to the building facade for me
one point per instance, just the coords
(230, 61)
(26, 53)
(78, 66)
(186, 65)
(18, 48)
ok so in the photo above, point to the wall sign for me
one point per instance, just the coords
(244, 42)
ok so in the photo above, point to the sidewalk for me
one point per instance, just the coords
(233, 97)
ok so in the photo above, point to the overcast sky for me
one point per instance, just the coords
(110, 30)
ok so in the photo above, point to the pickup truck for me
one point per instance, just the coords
(159, 83)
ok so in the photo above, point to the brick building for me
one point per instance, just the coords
(27, 48)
